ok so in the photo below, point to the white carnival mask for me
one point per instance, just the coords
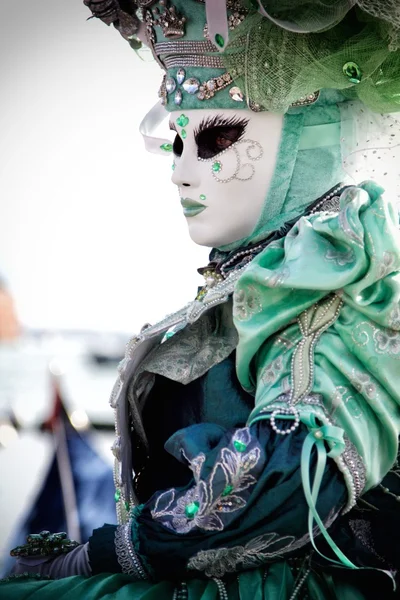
(224, 161)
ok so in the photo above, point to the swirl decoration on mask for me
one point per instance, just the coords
(254, 152)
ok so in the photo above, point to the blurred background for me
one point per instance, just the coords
(93, 245)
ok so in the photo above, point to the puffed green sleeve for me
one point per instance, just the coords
(318, 316)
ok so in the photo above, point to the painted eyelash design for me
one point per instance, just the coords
(221, 121)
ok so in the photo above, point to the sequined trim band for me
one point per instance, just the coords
(192, 60)
(182, 47)
(126, 554)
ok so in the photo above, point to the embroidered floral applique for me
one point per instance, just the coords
(340, 258)
(387, 264)
(272, 371)
(341, 396)
(246, 303)
(363, 384)
(387, 341)
(215, 563)
(394, 318)
(203, 505)
(345, 219)
(278, 277)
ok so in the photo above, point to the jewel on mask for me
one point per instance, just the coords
(219, 40)
(180, 76)
(166, 147)
(170, 85)
(173, 166)
(178, 97)
(183, 134)
(217, 167)
(182, 121)
(209, 88)
(236, 94)
(202, 197)
(191, 85)
(353, 72)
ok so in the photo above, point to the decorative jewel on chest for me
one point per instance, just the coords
(211, 278)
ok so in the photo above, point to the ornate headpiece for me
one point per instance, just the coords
(265, 54)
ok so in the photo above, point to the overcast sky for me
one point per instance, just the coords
(92, 234)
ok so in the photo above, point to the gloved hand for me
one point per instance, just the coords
(51, 554)
(75, 562)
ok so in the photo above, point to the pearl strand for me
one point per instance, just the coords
(285, 411)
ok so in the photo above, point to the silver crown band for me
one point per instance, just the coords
(212, 62)
(183, 47)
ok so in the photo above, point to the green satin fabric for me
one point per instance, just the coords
(356, 360)
(278, 584)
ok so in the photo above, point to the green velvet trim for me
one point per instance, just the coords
(135, 514)
(102, 556)
(317, 136)
(221, 100)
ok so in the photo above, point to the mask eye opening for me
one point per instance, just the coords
(177, 146)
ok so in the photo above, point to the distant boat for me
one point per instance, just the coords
(77, 494)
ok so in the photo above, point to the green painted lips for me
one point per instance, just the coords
(192, 208)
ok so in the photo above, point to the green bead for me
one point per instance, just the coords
(202, 197)
(166, 147)
(239, 446)
(217, 166)
(227, 490)
(182, 121)
(219, 40)
(117, 495)
(173, 166)
(135, 44)
(126, 505)
(352, 71)
(192, 509)
(183, 133)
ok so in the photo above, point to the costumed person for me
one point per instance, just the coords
(257, 427)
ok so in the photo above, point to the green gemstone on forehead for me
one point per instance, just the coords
(192, 509)
(219, 40)
(117, 495)
(166, 147)
(182, 121)
(352, 71)
(239, 446)
(217, 166)
(202, 197)
(183, 133)
(227, 490)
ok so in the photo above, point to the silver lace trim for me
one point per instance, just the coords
(126, 554)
